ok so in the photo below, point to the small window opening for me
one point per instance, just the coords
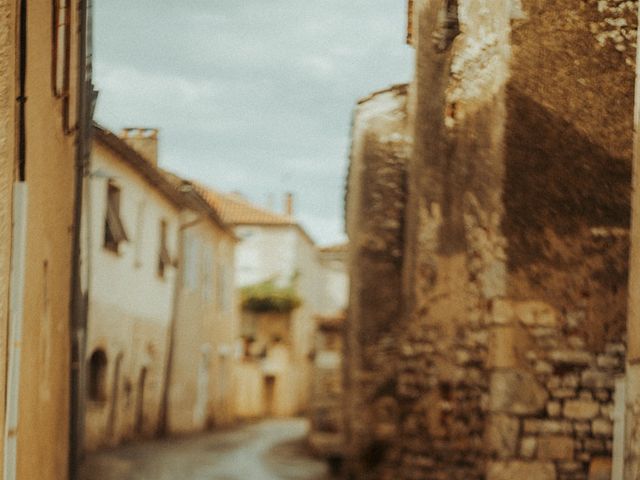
(61, 58)
(98, 376)
(114, 231)
(164, 258)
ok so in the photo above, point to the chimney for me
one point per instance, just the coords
(144, 141)
(288, 204)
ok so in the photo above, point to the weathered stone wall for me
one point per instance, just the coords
(632, 400)
(555, 350)
(515, 247)
(558, 336)
(375, 210)
(455, 257)
(327, 419)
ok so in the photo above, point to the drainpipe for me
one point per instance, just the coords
(79, 271)
(164, 407)
(16, 308)
(18, 258)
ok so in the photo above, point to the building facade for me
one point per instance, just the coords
(200, 383)
(504, 349)
(40, 59)
(135, 217)
(275, 376)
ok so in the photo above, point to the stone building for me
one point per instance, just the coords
(200, 385)
(326, 436)
(274, 254)
(512, 247)
(42, 60)
(134, 219)
(162, 316)
(375, 222)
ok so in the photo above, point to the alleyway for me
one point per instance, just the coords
(270, 450)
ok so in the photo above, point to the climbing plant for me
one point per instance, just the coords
(269, 297)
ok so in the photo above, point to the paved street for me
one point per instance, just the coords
(270, 450)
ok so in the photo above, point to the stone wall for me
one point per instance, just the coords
(327, 426)
(375, 205)
(455, 256)
(515, 246)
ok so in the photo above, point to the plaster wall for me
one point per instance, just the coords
(201, 382)
(287, 255)
(265, 252)
(130, 304)
(335, 283)
(50, 174)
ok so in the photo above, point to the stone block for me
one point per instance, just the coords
(581, 409)
(595, 445)
(517, 469)
(602, 428)
(596, 379)
(555, 448)
(528, 447)
(600, 469)
(564, 393)
(571, 358)
(502, 435)
(547, 427)
(517, 392)
(536, 314)
(554, 409)
(502, 312)
(502, 348)
(582, 429)
(610, 362)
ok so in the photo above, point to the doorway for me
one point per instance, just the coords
(115, 400)
(142, 379)
(269, 394)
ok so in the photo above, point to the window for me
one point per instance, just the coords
(114, 231)
(208, 286)
(61, 58)
(225, 287)
(137, 262)
(98, 376)
(164, 259)
(191, 264)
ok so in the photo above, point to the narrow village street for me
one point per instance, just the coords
(269, 450)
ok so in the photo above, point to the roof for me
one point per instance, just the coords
(149, 172)
(168, 184)
(198, 201)
(236, 210)
(333, 322)
(338, 248)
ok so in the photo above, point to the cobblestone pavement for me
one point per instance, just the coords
(269, 450)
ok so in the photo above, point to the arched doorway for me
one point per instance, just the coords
(97, 381)
(142, 379)
(115, 399)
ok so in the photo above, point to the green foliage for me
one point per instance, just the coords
(267, 297)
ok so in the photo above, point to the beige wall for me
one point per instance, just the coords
(201, 378)
(286, 254)
(270, 381)
(130, 305)
(7, 163)
(44, 396)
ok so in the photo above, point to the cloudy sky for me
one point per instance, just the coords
(252, 96)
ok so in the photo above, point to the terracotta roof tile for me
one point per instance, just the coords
(236, 210)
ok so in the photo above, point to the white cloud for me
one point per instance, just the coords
(251, 95)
